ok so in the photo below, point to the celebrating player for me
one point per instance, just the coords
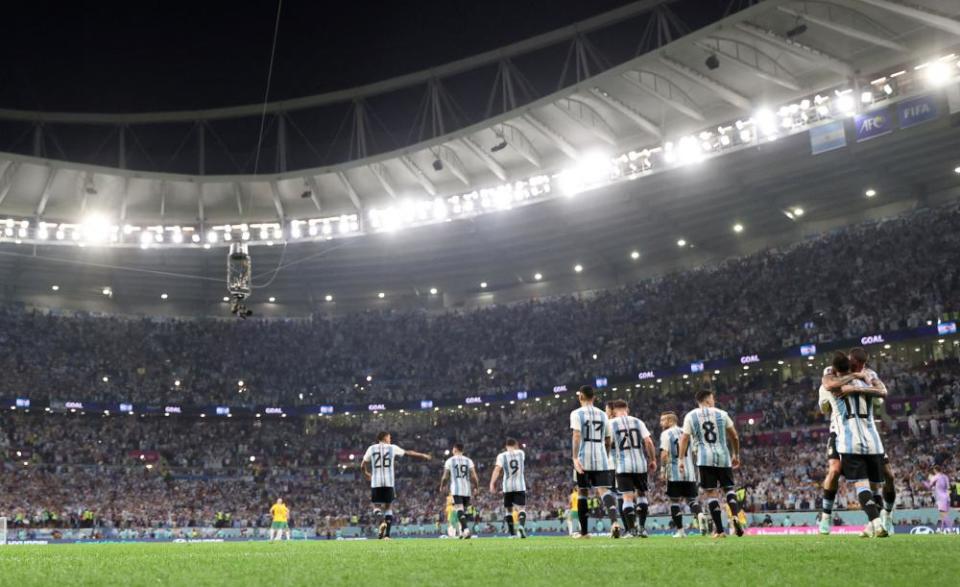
(280, 525)
(718, 454)
(858, 442)
(378, 466)
(634, 456)
(591, 440)
(510, 462)
(681, 483)
(462, 475)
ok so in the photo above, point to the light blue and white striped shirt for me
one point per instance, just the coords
(629, 455)
(853, 418)
(707, 428)
(512, 461)
(459, 467)
(382, 458)
(670, 442)
(591, 422)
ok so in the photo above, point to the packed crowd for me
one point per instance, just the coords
(902, 271)
(68, 470)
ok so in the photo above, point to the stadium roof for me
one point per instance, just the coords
(769, 55)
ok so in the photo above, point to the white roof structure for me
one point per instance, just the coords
(772, 70)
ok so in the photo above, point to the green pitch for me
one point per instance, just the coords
(847, 561)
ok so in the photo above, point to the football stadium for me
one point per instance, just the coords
(471, 293)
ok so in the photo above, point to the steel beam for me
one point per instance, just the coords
(723, 92)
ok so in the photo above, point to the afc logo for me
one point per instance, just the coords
(873, 123)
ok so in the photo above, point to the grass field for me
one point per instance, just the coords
(848, 561)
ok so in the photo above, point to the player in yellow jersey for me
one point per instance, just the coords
(280, 525)
(453, 525)
(572, 512)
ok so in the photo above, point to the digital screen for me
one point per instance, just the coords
(126, 407)
(172, 410)
(645, 375)
(473, 399)
(748, 359)
(22, 402)
(376, 407)
(326, 409)
(947, 328)
(273, 410)
(601, 382)
(808, 350)
(696, 367)
(426, 404)
(521, 395)
(223, 411)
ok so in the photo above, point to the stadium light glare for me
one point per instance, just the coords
(866, 97)
(164, 296)
(195, 238)
(107, 291)
(42, 232)
(798, 211)
(328, 298)
(226, 299)
(271, 299)
(634, 255)
(592, 168)
(937, 73)
(178, 236)
(483, 285)
(537, 276)
(96, 228)
(766, 121)
(956, 170)
(578, 268)
(55, 287)
(846, 104)
(681, 243)
(212, 236)
(381, 295)
(738, 228)
(240, 383)
(433, 291)
(176, 383)
(105, 379)
(870, 193)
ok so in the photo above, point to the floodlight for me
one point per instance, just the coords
(328, 298)
(635, 255)
(578, 268)
(681, 243)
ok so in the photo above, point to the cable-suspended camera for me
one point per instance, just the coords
(239, 279)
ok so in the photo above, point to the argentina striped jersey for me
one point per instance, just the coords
(707, 428)
(459, 468)
(628, 451)
(511, 461)
(670, 442)
(591, 423)
(382, 458)
(852, 416)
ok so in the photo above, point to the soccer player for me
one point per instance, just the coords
(591, 441)
(681, 486)
(378, 466)
(510, 463)
(887, 499)
(940, 485)
(634, 456)
(858, 442)
(280, 525)
(831, 481)
(718, 454)
(462, 475)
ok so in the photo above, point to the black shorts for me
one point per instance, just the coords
(713, 477)
(592, 479)
(632, 482)
(859, 467)
(384, 495)
(463, 500)
(682, 489)
(832, 454)
(512, 498)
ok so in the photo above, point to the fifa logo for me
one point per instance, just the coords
(916, 111)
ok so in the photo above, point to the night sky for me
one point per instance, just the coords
(143, 55)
